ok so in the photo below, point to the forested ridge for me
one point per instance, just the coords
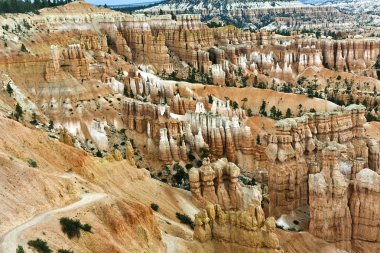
(20, 6)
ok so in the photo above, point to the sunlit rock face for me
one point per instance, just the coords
(237, 231)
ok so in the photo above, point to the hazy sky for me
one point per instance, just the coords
(116, 2)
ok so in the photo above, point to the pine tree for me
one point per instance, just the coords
(9, 89)
(255, 81)
(263, 108)
(34, 119)
(18, 114)
(377, 67)
(51, 125)
(273, 112)
(23, 48)
(288, 113)
(20, 249)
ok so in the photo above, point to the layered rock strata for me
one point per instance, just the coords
(330, 217)
(297, 147)
(237, 231)
(217, 183)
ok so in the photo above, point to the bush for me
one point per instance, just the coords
(86, 227)
(40, 246)
(9, 89)
(181, 176)
(20, 249)
(154, 207)
(18, 112)
(32, 163)
(185, 219)
(205, 152)
(72, 227)
(247, 180)
(198, 163)
(191, 157)
(65, 251)
(23, 48)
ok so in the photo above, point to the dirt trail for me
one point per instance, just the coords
(10, 240)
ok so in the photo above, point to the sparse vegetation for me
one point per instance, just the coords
(23, 49)
(180, 178)
(205, 152)
(99, 154)
(154, 207)
(247, 181)
(20, 249)
(32, 163)
(65, 251)
(185, 219)
(18, 112)
(72, 227)
(51, 125)
(9, 89)
(377, 67)
(20, 6)
(34, 119)
(40, 246)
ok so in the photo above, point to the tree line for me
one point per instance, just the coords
(23, 6)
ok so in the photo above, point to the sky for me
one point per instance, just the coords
(117, 2)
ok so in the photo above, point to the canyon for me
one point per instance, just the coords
(197, 139)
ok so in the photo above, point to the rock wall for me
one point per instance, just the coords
(217, 183)
(237, 231)
(330, 217)
(365, 207)
(297, 146)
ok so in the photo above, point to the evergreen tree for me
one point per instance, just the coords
(377, 67)
(20, 249)
(9, 89)
(263, 108)
(34, 119)
(244, 100)
(273, 112)
(23, 48)
(288, 113)
(51, 125)
(23, 6)
(255, 81)
(18, 114)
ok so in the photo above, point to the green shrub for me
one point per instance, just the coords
(23, 48)
(65, 251)
(40, 246)
(72, 227)
(20, 249)
(154, 207)
(32, 163)
(247, 180)
(181, 176)
(9, 89)
(185, 219)
(86, 227)
(205, 152)
(191, 157)
(18, 112)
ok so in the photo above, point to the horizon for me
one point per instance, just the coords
(118, 2)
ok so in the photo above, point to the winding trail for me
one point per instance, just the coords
(10, 240)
